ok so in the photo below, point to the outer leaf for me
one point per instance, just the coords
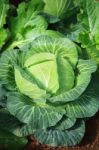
(3, 11)
(40, 116)
(85, 106)
(9, 141)
(94, 84)
(93, 53)
(6, 69)
(9, 122)
(32, 34)
(56, 8)
(89, 24)
(55, 137)
(26, 20)
(75, 31)
(54, 133)
(85, 69)
(3, 36)
(35, 2)
(92, 8)
(86, 31)
(63, 124)
(2, 96)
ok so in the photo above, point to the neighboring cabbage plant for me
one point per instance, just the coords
(49, 91)
(3, 14)
(59, 10)
(25, 24)
(86, 30)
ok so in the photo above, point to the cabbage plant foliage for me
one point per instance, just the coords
(48, 90)
(48, 70)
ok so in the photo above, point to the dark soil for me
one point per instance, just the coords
(89, 142)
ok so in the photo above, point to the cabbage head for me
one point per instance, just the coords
(49, 90)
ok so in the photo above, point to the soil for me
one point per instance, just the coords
(89, 142)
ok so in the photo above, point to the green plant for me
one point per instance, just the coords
(48, 89)
(47, 75)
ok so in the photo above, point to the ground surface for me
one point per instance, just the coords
(90, 141)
